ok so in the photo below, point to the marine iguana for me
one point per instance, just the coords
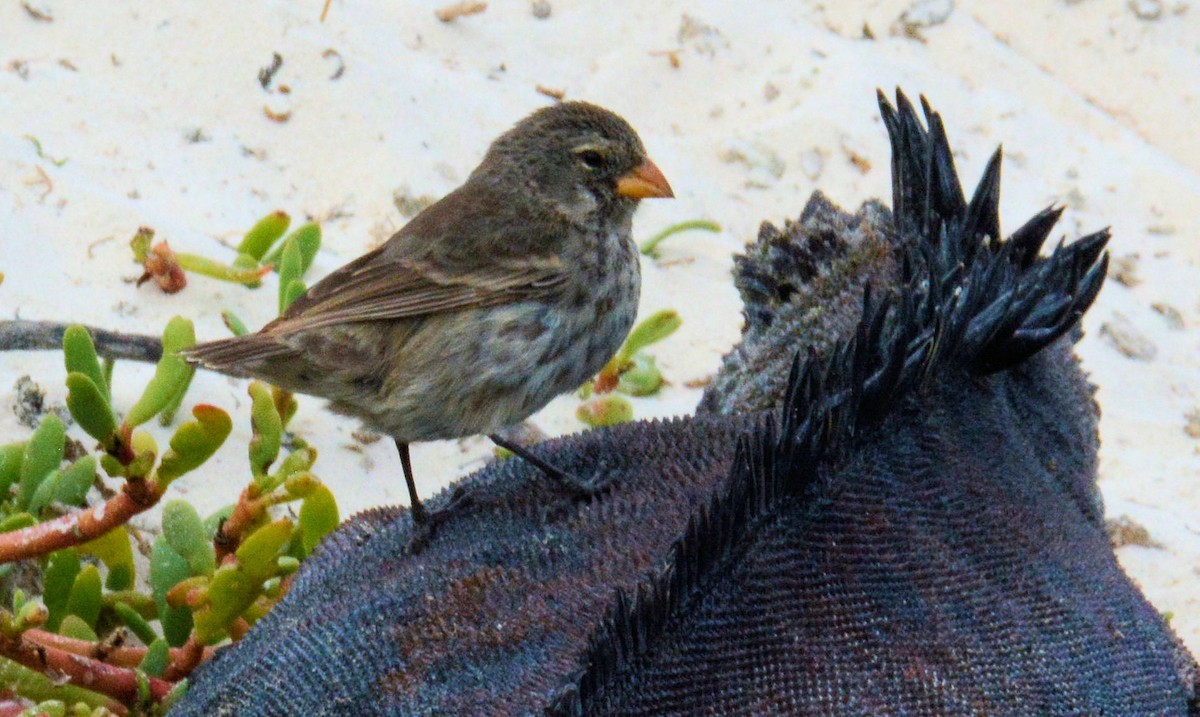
(901, 520)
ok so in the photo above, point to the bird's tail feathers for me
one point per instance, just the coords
(236, 356)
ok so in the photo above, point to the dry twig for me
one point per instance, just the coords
(118, 683)
(450, 13)
(119, 657)
(78, 527)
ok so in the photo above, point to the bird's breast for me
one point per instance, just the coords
(597, 307)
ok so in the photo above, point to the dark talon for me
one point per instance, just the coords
(578, 487)
(425, 528)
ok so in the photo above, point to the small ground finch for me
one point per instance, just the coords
(514, 288)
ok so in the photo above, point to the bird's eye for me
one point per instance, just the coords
(591, 158)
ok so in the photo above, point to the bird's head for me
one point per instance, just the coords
(578, 157)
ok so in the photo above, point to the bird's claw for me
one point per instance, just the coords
(581, 488)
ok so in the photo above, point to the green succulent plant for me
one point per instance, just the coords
(631, 372)
(255, 258)
(209, 578)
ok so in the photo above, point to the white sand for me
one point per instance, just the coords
(1095, 106)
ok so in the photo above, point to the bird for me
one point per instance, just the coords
(514, 288)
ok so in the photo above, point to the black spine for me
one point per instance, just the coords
(968, 301)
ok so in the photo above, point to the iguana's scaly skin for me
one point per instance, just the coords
(911, 529)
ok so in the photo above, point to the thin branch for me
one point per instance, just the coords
(228, 537)
(79, 526)
(188, 658)
(118, 683)
(20, 335)
(121, 656)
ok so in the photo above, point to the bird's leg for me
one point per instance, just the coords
(577, 485)
(418, 511)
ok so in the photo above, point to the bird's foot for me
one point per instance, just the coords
(426, 526)
(581, 488)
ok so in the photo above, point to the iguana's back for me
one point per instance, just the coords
(911, 527)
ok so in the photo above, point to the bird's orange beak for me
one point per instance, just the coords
(644, 182)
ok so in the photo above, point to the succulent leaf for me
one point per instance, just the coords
(235, 325)
(17, 521)
(167, 569)
(76, 627)
(318, 517)
(136, 623)
(268, 430)
(289, 272)
(195, 442)
(263, 234)
(79, 354)
(307, 239)
(11, 457)
(43, 454)
(84, 600)
(171, 373)
(294, 290)
(75, 481)
(653, 329)
(158, 656)
(607, 410)
(301, 485)
(296, 462)
(90, 408)
(236, 586)
(61, 570)
(258, 553)
(44, 494)
(141, 244)
(185, 533)
(285, 403)
(643, 379)
(217, 270)
(115, 551)
(167, 416)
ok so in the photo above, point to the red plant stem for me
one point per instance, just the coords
(121, 656)
(238, 629)
(248, 509)
(80, 526)
(189, 657)
(119, 683)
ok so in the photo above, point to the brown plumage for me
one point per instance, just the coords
(514, 288)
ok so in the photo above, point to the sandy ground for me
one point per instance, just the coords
(157, 116)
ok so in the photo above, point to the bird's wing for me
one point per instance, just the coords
(380, 286)
(375, 287)
(472, 249)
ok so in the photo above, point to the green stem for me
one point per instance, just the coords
(650, 246)
(217, 270)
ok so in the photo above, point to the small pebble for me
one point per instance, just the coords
(763, 163)
(1131, 343)
(1124, 531)
(1123, 270)
(1170, 314)
(812, 163)
(1192, 427)
(922, 15)
(541, 9)
(1146, 9)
